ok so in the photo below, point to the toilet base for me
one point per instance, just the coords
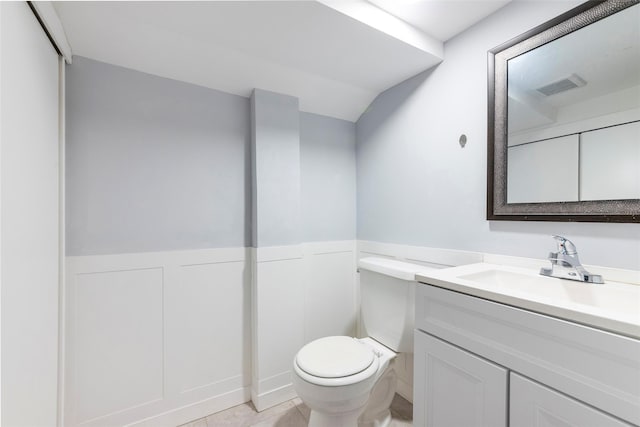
(372, 413)
(345, 419)
(382, 420)
(377, 413)
(319, 419)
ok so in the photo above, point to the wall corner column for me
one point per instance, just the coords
(277, 265)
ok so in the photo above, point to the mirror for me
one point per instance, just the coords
(564, 118)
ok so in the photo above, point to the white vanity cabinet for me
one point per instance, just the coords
(482, 363)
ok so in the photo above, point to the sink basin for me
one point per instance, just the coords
(613, 306)
(506, 278)
(619, 298)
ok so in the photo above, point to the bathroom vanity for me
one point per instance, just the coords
(502, 346)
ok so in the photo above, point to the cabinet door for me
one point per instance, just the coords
(454, 388)
(534, 405)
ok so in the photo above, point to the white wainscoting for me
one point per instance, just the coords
(156, 339)
(331, 306)
(432, 257)
(160, 339)
(277, 325)
(301, 292)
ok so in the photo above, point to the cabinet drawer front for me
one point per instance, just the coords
(534, 405)
(456, 388)
(597, 367)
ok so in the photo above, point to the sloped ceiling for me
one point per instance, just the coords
(441, 19)
(336, 57)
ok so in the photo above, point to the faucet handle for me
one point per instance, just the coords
(565, 246)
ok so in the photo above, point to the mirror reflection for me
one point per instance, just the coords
(574, 115)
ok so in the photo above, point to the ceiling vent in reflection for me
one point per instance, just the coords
(571, 82)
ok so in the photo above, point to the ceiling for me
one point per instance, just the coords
(336, 56)
(441, 19)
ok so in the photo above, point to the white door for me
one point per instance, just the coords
(534, 405)
(29, 241)
(454, 388)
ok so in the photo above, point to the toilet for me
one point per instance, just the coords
(349, 382)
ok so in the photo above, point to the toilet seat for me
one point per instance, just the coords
(335, 361)
(318, 358)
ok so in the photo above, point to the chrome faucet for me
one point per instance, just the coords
(565, 264)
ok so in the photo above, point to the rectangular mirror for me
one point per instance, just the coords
(564, 118)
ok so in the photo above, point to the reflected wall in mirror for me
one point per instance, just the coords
(564, 118)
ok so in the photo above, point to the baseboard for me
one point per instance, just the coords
(197, 410)
(405, 390)
(273, 397)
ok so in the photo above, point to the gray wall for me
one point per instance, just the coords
(153, 164)
(417, 186)
(328, 178)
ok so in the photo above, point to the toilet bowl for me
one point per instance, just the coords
(349, 382)
(354, 389)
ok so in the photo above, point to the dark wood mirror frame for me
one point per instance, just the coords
(497, 206)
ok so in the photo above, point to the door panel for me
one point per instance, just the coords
(29, 239)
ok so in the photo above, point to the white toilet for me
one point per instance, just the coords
(349, 382)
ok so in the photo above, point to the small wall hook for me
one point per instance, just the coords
(463, 140)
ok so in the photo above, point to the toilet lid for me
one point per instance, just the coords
(334, 357)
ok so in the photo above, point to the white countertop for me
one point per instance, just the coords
(613, 306)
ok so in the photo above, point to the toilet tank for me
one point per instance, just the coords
(387, 293)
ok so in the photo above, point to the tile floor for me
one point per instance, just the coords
(292, 413)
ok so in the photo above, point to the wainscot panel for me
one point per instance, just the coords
(156, 338)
